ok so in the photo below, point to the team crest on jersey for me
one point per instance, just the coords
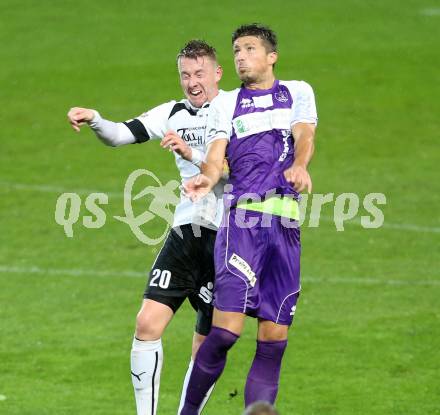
(281, 96)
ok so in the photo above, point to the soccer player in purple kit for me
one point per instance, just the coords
(266, 130)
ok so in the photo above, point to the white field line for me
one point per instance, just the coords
(56, 189)
(75, 272)
(434, 11)
(120, 195)
(398, 226)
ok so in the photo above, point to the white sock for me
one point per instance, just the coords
(146, 365)
(185, 386)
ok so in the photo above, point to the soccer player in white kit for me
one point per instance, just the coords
(186, 260)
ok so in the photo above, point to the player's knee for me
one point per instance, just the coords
(272, 336)
(197, 342)
(147, 328)
(271, 332)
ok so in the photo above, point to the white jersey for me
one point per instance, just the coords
(190, 123)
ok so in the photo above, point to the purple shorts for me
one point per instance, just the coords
(257, 268)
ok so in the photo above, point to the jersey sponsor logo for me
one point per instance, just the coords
(192, 135)
(241, 127)
(286, 135)
(265, 101)
(281, 96)
(258, 122)
(240, 264)
(206, 293)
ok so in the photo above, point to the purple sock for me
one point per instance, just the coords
(263, 377)
(208, 366)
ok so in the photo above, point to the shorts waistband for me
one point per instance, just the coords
(285, 206)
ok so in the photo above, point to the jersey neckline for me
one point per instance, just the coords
(261, 91)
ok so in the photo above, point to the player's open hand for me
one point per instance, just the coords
(79, 116)
(299, 177)
(197, 187)
(174, 142)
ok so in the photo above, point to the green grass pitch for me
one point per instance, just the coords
(367, 330)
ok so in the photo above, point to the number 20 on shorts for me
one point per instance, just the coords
(160, 278)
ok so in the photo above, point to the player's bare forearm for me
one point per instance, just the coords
(298, 175)
(211, 171)
(304, 135)
(212, 167)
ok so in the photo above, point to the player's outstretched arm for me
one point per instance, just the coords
(212, 171)
(111, 133)
(79, 116)
(304, 135)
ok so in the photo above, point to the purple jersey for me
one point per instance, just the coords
(258, 125)
(258, 267)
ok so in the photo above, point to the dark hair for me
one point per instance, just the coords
(266, 34)
(197, 49)
(260, 408)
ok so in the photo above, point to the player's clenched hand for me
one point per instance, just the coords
(174, 142)
(299, 177)
(197, 187)
(79, 116)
